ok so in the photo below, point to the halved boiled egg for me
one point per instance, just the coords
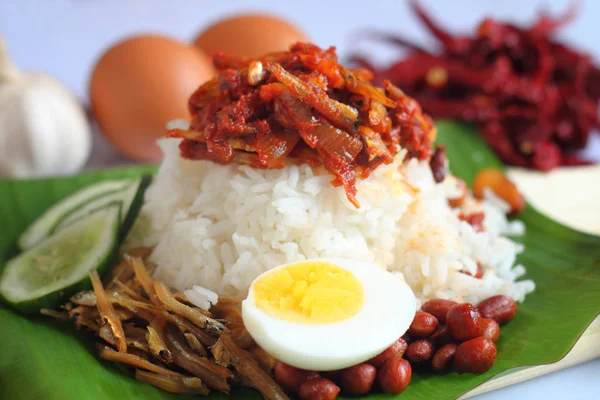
(327, 314)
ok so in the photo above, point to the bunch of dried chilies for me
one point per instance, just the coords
(534, 100)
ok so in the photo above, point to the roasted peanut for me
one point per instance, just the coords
(443, 358)
(501, 186)
(464, 322)
(290, 378)
(478, 272)
(491, 329)
(318, 389)
(438, 308)
(256, 73)
(458, 201)
(474, 219)
(358, 380)
(475, 356)
(332, 375)
(397, 349)
(394, 375)
(500, 308)
(439, 164)
(423, 325)
(442, 337)
(420, 351)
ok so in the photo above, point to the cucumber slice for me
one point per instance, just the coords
(44, 276)
(132, 198)
(134, 206)
(43, 227)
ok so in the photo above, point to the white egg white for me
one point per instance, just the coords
(388, 310)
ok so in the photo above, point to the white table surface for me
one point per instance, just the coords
(64, 37)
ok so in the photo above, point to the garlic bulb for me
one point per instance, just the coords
(43, 129)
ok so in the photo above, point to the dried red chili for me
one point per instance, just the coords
(533, 99)
(303, 105)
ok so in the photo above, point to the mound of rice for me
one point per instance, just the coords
(220, 226)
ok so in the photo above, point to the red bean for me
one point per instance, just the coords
(475, 356)
(491, 329)
(290, 378)
(499, 308)
(464, 322)
(394, 375)
(438, 308)
(318, 389)
(397, 349)
(420, 351)
(358, 380)
(443, 358)
(423, 325)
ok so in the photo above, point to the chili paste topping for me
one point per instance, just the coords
(303, 106)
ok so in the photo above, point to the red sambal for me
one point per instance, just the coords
(303, 106)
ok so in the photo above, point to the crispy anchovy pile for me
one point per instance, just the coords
(303, 105)
(535, 100)
(172, 344)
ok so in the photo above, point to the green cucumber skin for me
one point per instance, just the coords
(57, 298)
(135, 207)
(105, 200)
(130, 209)
(23, 240)
(79, 206)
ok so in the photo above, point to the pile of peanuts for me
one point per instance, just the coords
(444, 334)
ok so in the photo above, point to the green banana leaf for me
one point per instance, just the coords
(44, 358)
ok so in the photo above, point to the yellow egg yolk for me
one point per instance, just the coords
(311, 292)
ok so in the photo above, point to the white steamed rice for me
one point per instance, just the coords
(220, 226)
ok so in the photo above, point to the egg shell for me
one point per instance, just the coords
(139, 85)
(250, 35)
(388, 310)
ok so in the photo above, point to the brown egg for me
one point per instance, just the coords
(249, 35)
(140, 84)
